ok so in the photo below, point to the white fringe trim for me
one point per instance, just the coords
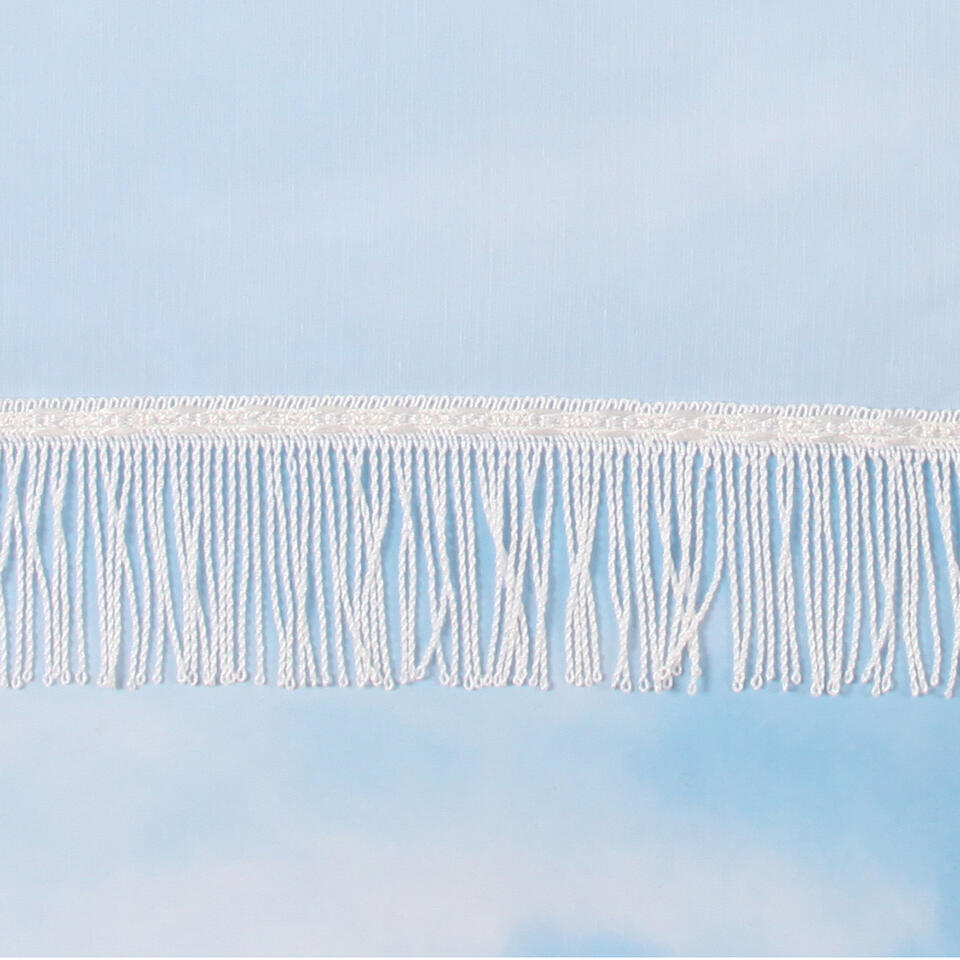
(316, 541)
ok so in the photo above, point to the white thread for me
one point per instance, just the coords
(17, 456)
(407, 564)
(230, 612)
(910, 602)
(785, 483)
(618, 565)
(739, 536)
(167, 629)
(465, 522)
(856, 569)
(148, 615)
(581, 495)
(697, 613)
(943, 493)
(869, 521)
(432, 495)
(845, 572)
(765, 668)
(58, 633)
(540, 550)
(922, 508)
(188, 671)
(37, 575)
(681, 492)
(222, 599)
(335, 520)
(278, 578)
(316, 574)
(305, 663)
(833, 573)
(643, 569)
(887, 533)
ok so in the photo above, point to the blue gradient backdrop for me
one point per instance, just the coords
(740, 201)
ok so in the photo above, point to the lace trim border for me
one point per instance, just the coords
(525, 417)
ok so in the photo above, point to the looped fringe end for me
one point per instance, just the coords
(375, 556)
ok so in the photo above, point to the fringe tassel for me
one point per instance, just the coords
(310, 560)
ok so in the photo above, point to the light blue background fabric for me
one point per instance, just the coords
(739, 201)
